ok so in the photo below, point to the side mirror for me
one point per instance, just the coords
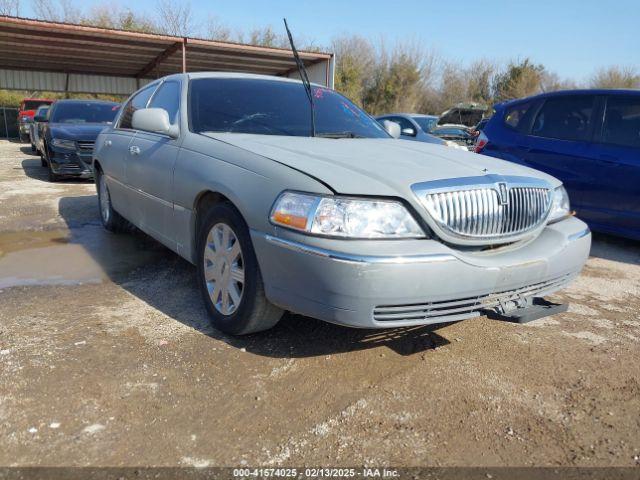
(154, 120)
(409, 132)
(392, 128)
(40, 118)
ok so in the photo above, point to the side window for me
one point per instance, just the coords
(136, 103)
(517, 117)
(622, 121)
(565, 118)
(168, 98)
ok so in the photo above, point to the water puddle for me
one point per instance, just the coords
(70, 257)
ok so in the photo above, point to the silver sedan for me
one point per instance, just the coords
(333, 219)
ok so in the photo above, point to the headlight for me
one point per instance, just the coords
(344, 217)
(560, 208)
(68, 144)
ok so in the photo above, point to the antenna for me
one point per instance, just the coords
(304, 77)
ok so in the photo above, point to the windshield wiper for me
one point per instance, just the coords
(339, 135)
(304, 77)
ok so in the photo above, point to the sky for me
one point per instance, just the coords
(570, 37)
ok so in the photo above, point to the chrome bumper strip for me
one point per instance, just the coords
(354, 258)
(578, 235)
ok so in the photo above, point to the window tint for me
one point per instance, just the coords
(622, 121)
(168, 98)
(272, 107)
(136, 103)
(517, 117)
(84, 112)
(565, 118)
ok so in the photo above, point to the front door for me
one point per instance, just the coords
(152, 159)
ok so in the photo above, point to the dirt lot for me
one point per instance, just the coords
(106, 358)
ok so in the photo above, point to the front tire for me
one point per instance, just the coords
(229, 276)
(111, 220)
(53, 177)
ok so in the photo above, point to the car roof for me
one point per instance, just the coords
(80, 100)
(237, 75)
(580, 91)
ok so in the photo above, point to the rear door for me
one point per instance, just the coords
(559, 143)
(150, 168)
(611, 198)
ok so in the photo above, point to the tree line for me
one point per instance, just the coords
(406, 76)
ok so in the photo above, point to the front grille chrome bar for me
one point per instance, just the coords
(494, 208)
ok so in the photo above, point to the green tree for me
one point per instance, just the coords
(518, 80)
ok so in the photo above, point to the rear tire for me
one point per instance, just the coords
(229, 275)
(111, 220)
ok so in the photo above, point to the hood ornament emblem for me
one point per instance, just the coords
(503, 193)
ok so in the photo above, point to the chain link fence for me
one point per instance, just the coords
(9, 122)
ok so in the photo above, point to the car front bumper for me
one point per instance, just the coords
(384, 284)
(70, 163)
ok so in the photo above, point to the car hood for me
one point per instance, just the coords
(381, 167)
(77, 131)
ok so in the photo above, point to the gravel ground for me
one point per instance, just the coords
(106, 358)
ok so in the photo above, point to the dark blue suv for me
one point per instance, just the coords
(589, 139)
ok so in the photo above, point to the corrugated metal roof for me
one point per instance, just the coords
(97, 59)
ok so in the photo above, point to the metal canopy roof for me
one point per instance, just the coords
(27, 44)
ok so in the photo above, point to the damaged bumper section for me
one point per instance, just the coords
(378, 284)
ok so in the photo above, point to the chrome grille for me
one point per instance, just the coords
(85, 147)
(481, 213)
(465, 307)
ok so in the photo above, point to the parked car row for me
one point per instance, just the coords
(229, 171)
(27, 110)
(64, 133)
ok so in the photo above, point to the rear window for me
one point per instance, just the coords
(517, 116)
(565, 118)
(622, 122)
(34, 104)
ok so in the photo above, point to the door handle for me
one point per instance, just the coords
(107, 143)
(134, 150)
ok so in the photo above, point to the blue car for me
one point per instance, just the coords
(589, 139)
(414, 126)
(69, 133)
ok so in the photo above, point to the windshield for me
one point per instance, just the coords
(272, 107)
(426, 123)
(34, 104)
(84, 112)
